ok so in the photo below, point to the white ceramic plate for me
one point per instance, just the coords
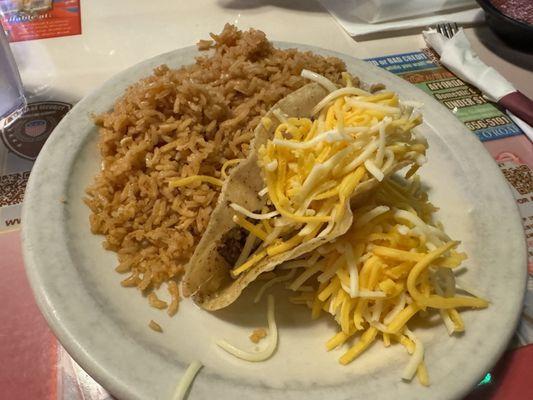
(104, 327)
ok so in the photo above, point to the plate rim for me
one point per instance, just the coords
(30, 232)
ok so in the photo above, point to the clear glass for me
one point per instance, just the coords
(12, 100)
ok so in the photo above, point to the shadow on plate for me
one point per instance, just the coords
(244, 312)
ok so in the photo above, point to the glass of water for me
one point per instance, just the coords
(12, 100)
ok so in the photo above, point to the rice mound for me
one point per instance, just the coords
(178, 123)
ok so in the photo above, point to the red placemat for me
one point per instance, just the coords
(35, 366)
(28, 349)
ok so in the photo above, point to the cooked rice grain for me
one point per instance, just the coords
(155, 326)
(178, 123)
(173, 290)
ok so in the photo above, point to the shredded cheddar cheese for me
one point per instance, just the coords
(312, 167)
(392, 264)
(227, 164)
(177, 182)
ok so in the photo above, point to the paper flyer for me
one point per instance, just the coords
(20, 144)
(40, 19)
(422, 69)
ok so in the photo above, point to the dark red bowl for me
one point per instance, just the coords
(514, 32)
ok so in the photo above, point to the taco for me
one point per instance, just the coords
(315, 153)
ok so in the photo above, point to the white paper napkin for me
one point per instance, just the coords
(528, 130)
(374, 11)
(456, 54)
(346, 16)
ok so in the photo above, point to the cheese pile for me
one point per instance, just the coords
(312, 167)
(394, 263)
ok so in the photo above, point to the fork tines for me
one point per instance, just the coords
(447, 29)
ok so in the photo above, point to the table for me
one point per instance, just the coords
(117, 34)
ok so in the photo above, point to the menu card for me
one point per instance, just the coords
(40, 19)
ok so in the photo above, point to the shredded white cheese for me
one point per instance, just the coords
(328, 274)
(374, 170)
(320, 170)
(416, 358)
(352, 270)
(321, 80)
(272, 166)
(309, 272)
(328, 137)
(376, 310)
(431, 232)
(370, 215)
(186, 380)
(263, 191)
(272, 282)
(361, 158)
(382, 141)
(293, 264)
(402, 229)
(366, 105)
(398, 307)
(450, 326)
(389, 160)
(280, 116)
(246, 250)
(272, 337)
(252, 215)
(347, 91)
(380, 327)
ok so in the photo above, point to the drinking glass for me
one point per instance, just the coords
(12, 100)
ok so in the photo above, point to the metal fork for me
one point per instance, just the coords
(447, 29)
